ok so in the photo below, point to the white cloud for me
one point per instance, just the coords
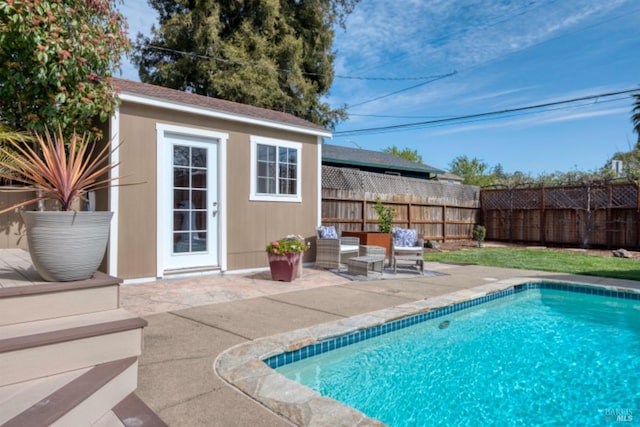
(396, 38)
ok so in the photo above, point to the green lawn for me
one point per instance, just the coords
(544, 260)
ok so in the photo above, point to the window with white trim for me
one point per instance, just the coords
(275, 170)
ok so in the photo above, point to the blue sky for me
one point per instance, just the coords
(505, 54)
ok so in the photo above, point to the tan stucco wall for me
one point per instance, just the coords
(250, 224)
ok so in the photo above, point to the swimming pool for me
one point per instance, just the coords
(534, 356)
(243, 367)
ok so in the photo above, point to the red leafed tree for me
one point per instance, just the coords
(57, 58)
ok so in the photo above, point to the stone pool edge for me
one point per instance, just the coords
(242, 366)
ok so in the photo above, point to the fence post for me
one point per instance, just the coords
(609, 230)
(444, 223)
(511, 214)
(587, 220)
(543, 217)
(363, 223)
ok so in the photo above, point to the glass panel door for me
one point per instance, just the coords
(191, 204)
(190, 219)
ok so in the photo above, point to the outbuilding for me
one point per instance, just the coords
(219, 181)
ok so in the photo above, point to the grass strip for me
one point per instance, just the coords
(543, 260)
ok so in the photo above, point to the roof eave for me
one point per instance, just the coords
(133, 97)
(382, 165)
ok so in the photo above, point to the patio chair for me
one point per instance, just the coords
(407, 245)
(332, 251)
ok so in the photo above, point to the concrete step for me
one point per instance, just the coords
(48, 347)
(79, 398)
(27, 302)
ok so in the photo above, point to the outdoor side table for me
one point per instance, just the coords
(362, 265)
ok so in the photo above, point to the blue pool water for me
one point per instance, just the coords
(536, 357)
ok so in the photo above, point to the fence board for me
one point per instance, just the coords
(604, 215)
(438, 210)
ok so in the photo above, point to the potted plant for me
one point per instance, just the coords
(285, 257)
(385, 216)
(382, 237)
(65, 245)
(479, 233)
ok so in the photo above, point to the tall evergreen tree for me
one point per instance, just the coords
(275, 54)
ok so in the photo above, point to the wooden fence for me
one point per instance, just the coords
(440, 211)
(592, 215)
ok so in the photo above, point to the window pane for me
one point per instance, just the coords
(199, 178)
(181, 199)
(180, 177)
(180, 155)
(266, 153)
(287, 186)
(267, 185)
(181, 221)
(198, 157)
(276, 170)
(198, 242)
(200, 218)
(180, 242)
(266, 169)
(199, 199)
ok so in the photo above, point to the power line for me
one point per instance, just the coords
(482, 119)
(477, 115)
(404, 90)
(284, 70)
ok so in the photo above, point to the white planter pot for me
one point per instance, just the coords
(67, 246)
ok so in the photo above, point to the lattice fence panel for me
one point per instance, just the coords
(599, 197)
(565, 198)
(341, 179)
(379, 184)
(496, 199)
(526, 199)
(624, 196)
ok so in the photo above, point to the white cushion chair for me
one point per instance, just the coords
(407, 245)
(332, 251)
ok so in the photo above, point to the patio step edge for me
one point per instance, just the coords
(43, 301)
(133, 411)
(83, 400)
(43, 348)
(69, 334)
(98, 280)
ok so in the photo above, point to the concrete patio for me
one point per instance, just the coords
(191, 321)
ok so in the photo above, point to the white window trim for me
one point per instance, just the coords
(253, 195)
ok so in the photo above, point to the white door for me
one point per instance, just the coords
(190, 202)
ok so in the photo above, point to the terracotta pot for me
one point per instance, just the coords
(67, 246)
(284, 268)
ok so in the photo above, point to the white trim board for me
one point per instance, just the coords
(221, 139)
(154, 102)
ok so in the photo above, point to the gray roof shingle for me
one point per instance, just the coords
(360, 157)
(214, 104)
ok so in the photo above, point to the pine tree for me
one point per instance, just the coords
(275, 54)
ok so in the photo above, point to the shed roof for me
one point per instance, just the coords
(369, 158)
(231, 110)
